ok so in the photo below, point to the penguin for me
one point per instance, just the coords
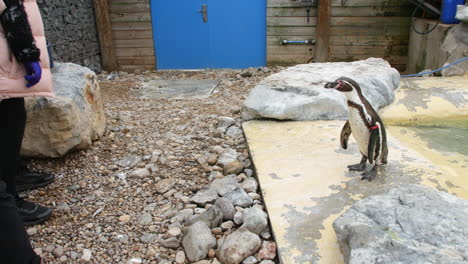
(366, 126)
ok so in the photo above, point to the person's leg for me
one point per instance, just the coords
(15, 247)
(12, 122)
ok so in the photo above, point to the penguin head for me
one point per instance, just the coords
(344, 84)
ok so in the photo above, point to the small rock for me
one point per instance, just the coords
(205, 261)
(148, 238)
(250, 185)
(174, 232)
(268, 250)
(164, 185)
(145, 219)
(250, 260)
(124, 218)
(265, 234)
(234, 132)
(170, 243)
(211, 253)
(227, 225)
(217, 231)
(212, 159)
(180, 257)
(140, 173)
(226, 207)
(86, 257)
(238, 218)
(239, 197)
(212, 217)
(198, 241)
(255, 220)
(135, 261)
(31, 231)
(129, 161)
(121, 238)
(267, 262)
(224, 186)
(205, 196)
(233, 167)
(225, 122)
(63, 207)
(238, 246)
(58, 252)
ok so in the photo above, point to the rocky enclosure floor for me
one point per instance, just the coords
(130, 198)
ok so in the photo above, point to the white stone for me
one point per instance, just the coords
(86, 257)
(68, 122)
(298, 93)
(462, 13)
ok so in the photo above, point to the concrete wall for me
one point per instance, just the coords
(70, 26)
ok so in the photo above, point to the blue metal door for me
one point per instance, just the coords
(182, 39)
(232, 35)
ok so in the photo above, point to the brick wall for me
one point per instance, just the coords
(71, 28)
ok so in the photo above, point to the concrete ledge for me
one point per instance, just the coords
(431, 101)
(306, 185)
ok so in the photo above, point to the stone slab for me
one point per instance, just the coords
(306, 185)
(178, 89)
(429, 101)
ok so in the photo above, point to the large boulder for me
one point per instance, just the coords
(68, 122)
(409, 224)
(297, 93)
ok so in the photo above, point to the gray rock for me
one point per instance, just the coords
(212, 217)
(238, 246)
(86, 257)
(145, 219)
(68, 122)
(129, 161)
(250, 185)
(234, 132)
(205, 196)
(224, 185)
(226, 207)
(224, 122)
(455, 46)
(267, 262)
(164, 185)
(409, 224)
(171, 242)
(255, 220)
(239, 197)
(238, 218)
(140, 173)
(182, 216)
(121, 238)
(227, 156)
(148, 238)
(198, 241)
(297, 93)
(250, 260)
(227, 225)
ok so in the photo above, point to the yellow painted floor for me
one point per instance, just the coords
(306, 185)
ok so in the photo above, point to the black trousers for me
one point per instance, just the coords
(15, 247)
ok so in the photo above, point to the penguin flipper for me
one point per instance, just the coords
(373, 139)
(344, 136)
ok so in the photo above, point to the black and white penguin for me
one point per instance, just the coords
(366, 126)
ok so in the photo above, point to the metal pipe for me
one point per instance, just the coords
(307, 41)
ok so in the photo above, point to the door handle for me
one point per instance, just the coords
(204, 12)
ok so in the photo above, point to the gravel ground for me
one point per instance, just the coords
(106, 211)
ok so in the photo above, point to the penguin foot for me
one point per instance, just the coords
(369, 175)
(357, 167)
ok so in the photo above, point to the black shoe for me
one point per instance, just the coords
(30, 180)
(31, 213)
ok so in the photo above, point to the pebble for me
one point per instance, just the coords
(227, 225)
(238, 218)
(31, 231)
(170, 243)
(250, 260)
(180, 257)
(58, 252)
(164, 185)
(86, 257)
(124, 218)
(268, 250)
(145, 219)
(174, 232)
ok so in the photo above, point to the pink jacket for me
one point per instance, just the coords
(12, 82)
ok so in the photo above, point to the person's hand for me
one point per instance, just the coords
(33, 73)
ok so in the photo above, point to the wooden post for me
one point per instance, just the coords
(109, 61)
(323, 31)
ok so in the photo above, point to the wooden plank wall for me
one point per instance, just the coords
(132, 34)
(359, 29)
